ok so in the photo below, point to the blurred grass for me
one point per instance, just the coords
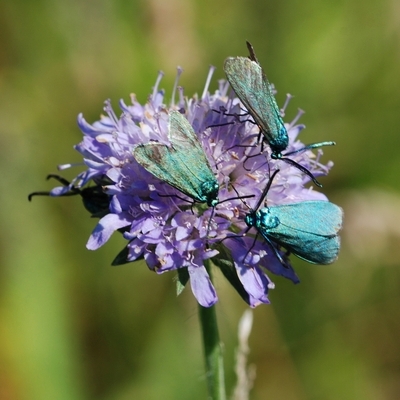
(71, 326)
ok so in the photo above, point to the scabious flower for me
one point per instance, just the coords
(164, 226)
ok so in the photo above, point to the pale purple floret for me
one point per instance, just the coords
(170, 232)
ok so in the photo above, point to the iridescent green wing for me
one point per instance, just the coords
(308, 229)
(183, 164)
(249, 82)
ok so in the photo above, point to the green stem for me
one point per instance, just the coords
(212, 351)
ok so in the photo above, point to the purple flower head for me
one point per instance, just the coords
(166, 227)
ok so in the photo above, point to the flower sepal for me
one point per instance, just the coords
(225, 263)
(182, 278)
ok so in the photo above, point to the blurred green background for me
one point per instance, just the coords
(72, 326)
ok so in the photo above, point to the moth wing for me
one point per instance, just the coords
(189, 151)
(155, 158)
(249, 82)
(319, 217)
(308, 229)
(183, 165)
(184, 139)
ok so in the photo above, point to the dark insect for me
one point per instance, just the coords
(94, 199)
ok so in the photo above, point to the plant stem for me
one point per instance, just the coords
(212, 351)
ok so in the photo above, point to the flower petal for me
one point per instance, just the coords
(105, 228)
(202, 287)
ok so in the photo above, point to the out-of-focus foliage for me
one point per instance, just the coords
(72, 326)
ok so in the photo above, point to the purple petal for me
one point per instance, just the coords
(105, 228)
(255, 283)
(202, 286)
